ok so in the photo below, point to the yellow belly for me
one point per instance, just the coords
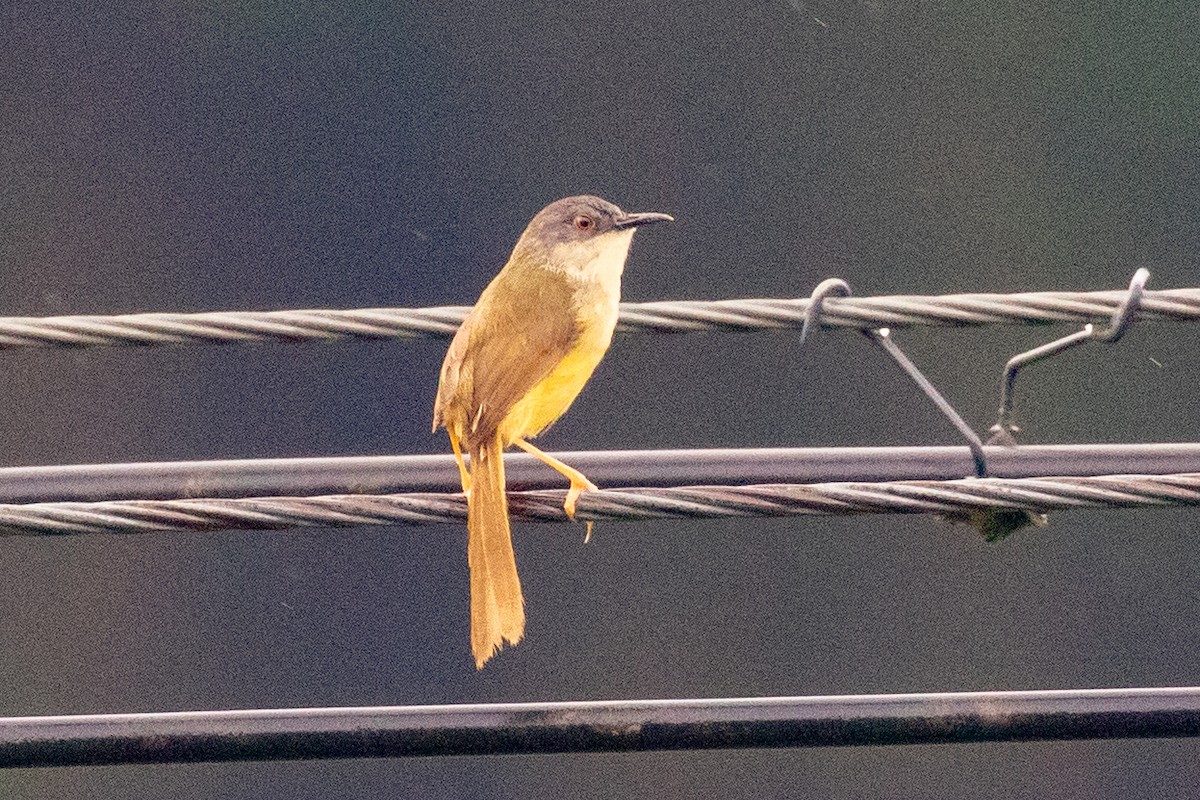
(552, 396)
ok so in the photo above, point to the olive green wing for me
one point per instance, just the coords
(524, 326)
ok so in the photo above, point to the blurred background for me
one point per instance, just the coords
(188, 156)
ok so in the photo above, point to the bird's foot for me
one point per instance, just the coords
(579, 485)
(578, 488)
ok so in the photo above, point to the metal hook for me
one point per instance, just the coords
(882, 337)
(1126, 313)
(1124, 316)
(816, 304)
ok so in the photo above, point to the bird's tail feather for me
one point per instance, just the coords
(497, 607)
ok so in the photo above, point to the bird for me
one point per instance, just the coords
(515, 365)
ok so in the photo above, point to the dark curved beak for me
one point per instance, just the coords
(643, 218)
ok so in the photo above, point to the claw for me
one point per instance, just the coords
(577, 488)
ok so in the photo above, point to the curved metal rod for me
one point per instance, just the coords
(1127, 312)
(1122, 318)
(830, 287)
(1003, 430)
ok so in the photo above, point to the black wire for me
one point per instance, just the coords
(589, 727)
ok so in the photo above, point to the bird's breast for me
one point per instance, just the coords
(596, 317)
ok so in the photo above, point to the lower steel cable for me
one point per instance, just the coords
(954, 498)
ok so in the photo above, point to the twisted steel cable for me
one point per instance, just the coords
(954, 498)
(227, 327)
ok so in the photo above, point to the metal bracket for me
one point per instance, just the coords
(1122, 318)
(835, 287)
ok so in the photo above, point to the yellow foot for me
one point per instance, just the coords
(578, 487)
(569, 506)
(579, 484)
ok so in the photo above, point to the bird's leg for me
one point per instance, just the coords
(579, 483)
(463, 475)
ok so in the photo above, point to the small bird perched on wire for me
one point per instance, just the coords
(515, 366)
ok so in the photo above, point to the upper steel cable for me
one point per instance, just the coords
(227, 327)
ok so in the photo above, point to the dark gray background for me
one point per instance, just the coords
(222, 155)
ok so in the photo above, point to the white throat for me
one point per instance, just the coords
(598, 261)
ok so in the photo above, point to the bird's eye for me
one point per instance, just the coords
(583, 222)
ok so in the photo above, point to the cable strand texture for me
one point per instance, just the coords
(230, 327)
(954, 498)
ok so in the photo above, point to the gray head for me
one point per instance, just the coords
(582, 218)
(583, 236)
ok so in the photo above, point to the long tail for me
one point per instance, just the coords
(497, 607)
